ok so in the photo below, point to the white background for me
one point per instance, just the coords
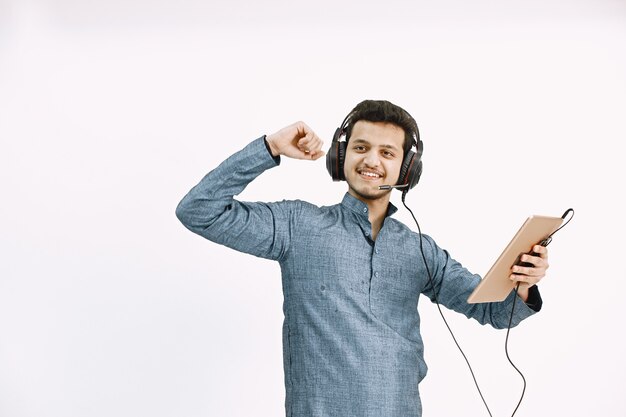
(110, 111)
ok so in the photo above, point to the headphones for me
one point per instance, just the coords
(410, 171)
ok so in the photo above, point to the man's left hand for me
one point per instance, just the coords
(530, 275)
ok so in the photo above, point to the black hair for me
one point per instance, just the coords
(386, 112)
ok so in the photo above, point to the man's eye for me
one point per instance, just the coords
(388, 154)
(359, 148)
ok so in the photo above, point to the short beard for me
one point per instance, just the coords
(374, 195)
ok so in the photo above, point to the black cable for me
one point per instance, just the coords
(544, 242)
(506, 350)
(432, 284)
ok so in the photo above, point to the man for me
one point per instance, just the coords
(351, 274)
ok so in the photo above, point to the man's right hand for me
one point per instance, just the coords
(296, 141)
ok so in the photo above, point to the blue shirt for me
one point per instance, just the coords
(351, 333)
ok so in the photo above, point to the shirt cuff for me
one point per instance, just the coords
(267, 145)
(534, 301)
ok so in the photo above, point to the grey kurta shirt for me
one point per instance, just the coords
(351, 333)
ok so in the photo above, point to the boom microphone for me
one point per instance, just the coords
(389, 187)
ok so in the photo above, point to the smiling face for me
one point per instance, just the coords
(374, 156)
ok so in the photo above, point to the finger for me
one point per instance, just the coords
(522, 270)
(303, 128)
(311, 144)
(307, 142)
(529, 271)
(518, 278)
(536, 261)
(315, 148)
(525, 279)
(542, 251)
(317, 155)
(312, 154)
(304, 143)
(316, 144)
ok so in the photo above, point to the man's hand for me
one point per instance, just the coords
(530, 275)
(296, 141)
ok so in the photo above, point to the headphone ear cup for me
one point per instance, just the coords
(342, 158)
(335, 157)
(411, 170)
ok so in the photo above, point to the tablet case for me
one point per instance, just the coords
(496, 285)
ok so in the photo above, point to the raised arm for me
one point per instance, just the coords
(261, 229)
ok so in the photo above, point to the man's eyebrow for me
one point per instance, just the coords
(390, 147)
(359, 141)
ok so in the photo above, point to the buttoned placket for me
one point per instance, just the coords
(376, 278)
(378, 260)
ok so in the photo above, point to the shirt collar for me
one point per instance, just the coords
(359, 207)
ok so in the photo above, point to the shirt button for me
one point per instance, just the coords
(364, 209)
(376, 274)
(376, 250)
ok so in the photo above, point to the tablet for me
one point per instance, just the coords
(496, 285)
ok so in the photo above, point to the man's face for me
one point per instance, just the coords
(373, 157)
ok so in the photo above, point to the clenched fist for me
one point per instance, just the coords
(296, 141)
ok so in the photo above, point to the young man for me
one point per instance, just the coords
(351, 274)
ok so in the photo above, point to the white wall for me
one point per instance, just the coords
(111, 110)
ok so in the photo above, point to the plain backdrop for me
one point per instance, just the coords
(110, 111)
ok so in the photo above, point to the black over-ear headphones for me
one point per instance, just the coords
(410, 171)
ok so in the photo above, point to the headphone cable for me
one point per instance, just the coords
(432, 284)
(545, 242)
(506, 350)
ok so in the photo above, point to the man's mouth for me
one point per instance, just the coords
(369, 174)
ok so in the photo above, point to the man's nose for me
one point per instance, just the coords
(372, 159)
